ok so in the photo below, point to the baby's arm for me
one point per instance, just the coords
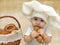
(30, 35)
(47, 37)
(27, 38)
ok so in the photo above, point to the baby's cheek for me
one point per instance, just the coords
(33, 23)
(42, 24)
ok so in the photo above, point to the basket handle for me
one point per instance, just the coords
(13, 18)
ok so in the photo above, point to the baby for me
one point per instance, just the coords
(39, 16)
(38, 19)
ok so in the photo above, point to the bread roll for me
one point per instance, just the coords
(38, 38)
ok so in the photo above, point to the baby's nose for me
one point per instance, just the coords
(38, 23)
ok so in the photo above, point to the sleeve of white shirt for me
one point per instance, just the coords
(29, 30)
(48, 32)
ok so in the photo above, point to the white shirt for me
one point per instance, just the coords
(34, 42)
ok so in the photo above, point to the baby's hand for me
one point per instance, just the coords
(41, 32)
(34, 34)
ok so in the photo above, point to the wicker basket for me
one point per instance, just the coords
(12, 38)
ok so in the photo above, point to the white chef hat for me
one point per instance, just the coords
(47, 13)
(41, 15)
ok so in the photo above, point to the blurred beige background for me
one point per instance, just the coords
(16, 6)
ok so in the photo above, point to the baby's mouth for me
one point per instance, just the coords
(37, 26)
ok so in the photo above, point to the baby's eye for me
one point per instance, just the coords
(42, 20)
(35, 19)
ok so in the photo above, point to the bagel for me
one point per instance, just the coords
(4, 32)
(10, 27)
(13, 31)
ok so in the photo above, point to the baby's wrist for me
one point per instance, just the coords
(44, 35)
(31, 36)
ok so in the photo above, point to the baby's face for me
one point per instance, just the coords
(38, 22)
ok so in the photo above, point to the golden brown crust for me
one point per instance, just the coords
(38, 38)
(10, 27)
(36, 28)
(13, 31)
(4, 32)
